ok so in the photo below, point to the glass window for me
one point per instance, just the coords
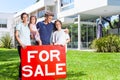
(41, 13)
(73, 35)
(65, 2)
(3, 23)
(67, 7)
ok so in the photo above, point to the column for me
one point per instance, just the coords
(58, 8)
(79, 33)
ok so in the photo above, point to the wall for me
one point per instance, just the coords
(10, 25)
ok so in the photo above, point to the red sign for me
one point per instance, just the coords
(43, 62)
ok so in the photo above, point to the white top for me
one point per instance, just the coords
(34, 28)
(35, 32)
(60, 37)
(24, 33)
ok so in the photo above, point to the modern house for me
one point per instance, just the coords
(77, 15)
(6, 25)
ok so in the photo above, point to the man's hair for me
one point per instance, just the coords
(23, 14)
(49, 13)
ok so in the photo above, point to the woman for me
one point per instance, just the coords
(60, 37)
(22, 34)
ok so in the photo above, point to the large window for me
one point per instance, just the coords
(3, 23)
(67, 4)
(41, 13)
(73, 32)
(88, 34)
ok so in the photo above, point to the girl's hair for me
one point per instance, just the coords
(58, 21)
(31, 19)
(23, 14)
(55, 24)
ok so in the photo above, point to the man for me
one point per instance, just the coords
(46, 28)
(22, 34)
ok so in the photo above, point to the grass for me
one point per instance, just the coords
(93, 66)
(80, 65)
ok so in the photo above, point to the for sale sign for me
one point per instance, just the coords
(43, 62)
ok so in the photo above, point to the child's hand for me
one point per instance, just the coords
(59, 44)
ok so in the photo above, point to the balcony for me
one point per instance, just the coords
(92, 8)
(39, 5)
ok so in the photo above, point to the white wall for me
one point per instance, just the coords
(10, 26)
(83, 5)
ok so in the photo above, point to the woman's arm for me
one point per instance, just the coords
(67, 38)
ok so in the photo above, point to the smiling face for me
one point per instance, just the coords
(58, 24)
(24, 17)
(33, 19)
(48, 18)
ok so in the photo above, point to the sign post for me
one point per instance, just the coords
(43, 62)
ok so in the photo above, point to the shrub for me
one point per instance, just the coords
(109, 43)
(6, 41)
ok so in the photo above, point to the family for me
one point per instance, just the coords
(44, 33)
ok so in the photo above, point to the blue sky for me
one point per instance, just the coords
(12, 6)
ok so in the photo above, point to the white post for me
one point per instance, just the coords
(58, 5)
(79, 33)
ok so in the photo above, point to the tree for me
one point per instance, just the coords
(6, 41)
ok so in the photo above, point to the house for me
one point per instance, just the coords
(6, 25)
(78, 15)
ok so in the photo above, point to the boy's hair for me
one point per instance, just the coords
(23, 14)
(48, 13)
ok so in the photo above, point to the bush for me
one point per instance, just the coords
(109, 43)
(6, 41)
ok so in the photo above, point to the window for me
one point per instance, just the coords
(67, 4)
(3, 23)
(41, 13)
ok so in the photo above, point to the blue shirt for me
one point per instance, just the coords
(45, 31)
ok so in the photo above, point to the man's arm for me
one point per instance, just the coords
(18, 39)
(66, 30)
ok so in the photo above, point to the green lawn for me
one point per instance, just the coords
(80, 65)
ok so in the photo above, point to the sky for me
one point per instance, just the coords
(12, 6)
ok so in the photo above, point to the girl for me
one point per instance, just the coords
(59, 36)
(34, 32)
